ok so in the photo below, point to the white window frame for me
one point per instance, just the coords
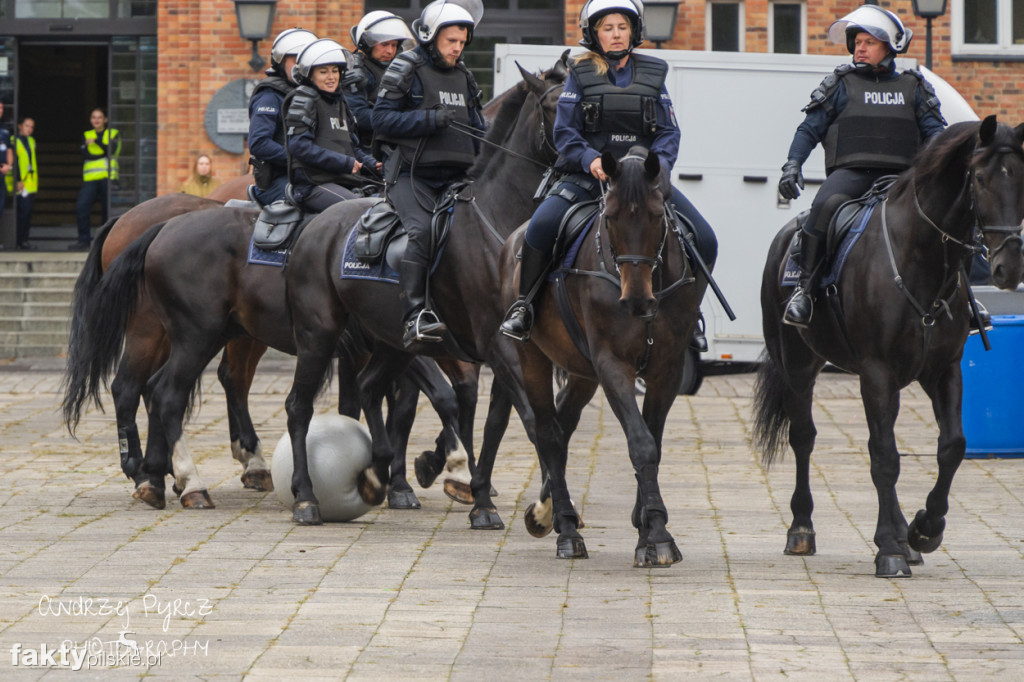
(742, 28)
(1004, 46)
(803, 24)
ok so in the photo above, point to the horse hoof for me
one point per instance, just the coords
(258, 480)
(402, 499)
(369, 487)
(891, 566)
(197, 499)
(535, 526)
(485, 518)
(151, 495)
(458, 491)
(571, 548)
(657, 555)
(800, 542)
(914, 557)
(918, 540)
(307, 514)
(425, 474)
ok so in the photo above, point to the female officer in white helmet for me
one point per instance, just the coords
(613, 99)
(378, 37)
(266, 116)
(323, 150)
(422, 93)
(871, 120)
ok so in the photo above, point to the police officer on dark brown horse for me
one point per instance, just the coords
(423, 92)
(871, 119)
(613, 99)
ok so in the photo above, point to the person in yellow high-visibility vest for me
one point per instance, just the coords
(100, 148)
(24, 180)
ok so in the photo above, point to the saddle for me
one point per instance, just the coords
(379, 232)
(276, 225)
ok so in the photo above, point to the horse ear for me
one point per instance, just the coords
(560, 71)
(987, 132)
(535, 84)
(1018, 133)
(610, 165)
(652, 166)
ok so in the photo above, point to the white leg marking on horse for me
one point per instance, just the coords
(542, 512)
(457, 464)
(371, 477)
(254, 461)
(185, 473)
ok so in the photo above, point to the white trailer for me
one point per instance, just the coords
(737, 113)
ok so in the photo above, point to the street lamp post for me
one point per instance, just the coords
(929, 9)
(255, 18)
(660, 20)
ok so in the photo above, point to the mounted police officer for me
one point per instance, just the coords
(324, 156)
(266, 116)
(871, 120)
(422, 93)
(613, 99)
(378, 37)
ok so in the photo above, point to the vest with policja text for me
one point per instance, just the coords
(332, 133)
(878, 128)
(614, 118)
(283, 87)
(448, 89)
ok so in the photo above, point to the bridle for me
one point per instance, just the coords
(633, 259)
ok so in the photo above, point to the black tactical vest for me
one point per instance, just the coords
(332, 133)
(447, 88)
(878, 128)
(614, 118)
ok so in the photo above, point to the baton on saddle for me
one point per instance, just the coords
(691, 248)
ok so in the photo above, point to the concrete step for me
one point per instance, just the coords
(67, 265)
(32, 344)
(61, 310)
(36, 296)
(37, 280)
(49, 325)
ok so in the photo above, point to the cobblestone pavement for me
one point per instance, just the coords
(240, 591)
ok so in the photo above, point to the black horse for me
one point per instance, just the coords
(631, 275)
(465, 289)
(898, 313)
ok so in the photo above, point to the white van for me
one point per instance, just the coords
(737, 113)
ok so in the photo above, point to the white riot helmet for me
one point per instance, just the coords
(593, 10)
(289, 42)
(379, 27)
(441, 13)
(318, 53)
(872, 19)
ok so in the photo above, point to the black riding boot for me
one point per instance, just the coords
(982, 319)
(519, 318)
(421, 325)
(801, 303)
(699, 340)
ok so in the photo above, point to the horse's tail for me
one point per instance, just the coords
(102, 306)
(771, 423)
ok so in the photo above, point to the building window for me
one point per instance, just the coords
(988, 27)
(786, 33)
(724, 28)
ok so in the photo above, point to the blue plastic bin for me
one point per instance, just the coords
(993, 404)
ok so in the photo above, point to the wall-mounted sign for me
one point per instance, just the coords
(227, 115)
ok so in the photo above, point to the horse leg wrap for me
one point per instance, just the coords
(130, 448)
(562, 509)
(650, 493)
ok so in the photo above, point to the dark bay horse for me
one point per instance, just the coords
(631, 275)
(465, 288)
(902, 316)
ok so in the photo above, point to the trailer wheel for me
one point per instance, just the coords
(693, 377)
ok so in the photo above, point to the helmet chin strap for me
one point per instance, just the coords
(884, 65)
(617, 54)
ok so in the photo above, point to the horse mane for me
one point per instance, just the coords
(632, 186)
(938, 154)
(501, 127)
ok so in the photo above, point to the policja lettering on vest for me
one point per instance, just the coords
(884, 98)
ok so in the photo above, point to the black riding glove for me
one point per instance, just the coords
(443, 118)
(792, 180)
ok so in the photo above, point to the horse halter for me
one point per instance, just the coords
(633, 259)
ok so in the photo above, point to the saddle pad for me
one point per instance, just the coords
(258, 256)
(574, 249)
(846, 245)
(353, 268)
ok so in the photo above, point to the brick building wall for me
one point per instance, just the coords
(200, 51)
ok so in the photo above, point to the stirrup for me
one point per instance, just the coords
(427, 319)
